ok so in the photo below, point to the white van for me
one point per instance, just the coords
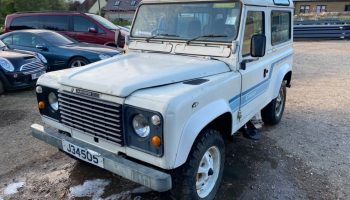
(193, 74)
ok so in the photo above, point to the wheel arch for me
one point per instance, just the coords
(213, 115)
(284, 74)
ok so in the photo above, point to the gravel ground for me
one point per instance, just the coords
(304, 157)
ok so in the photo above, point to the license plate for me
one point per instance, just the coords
(83, 153)
(37, 75)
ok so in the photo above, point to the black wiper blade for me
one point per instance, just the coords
(161, 34)
(205, 36)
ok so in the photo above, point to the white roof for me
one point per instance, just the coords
(246, 2)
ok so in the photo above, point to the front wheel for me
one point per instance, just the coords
(78, 62)
(273, 112)
(200, 177)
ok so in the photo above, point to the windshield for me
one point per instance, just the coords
(57, 39)
(104, 22)
(185, 21)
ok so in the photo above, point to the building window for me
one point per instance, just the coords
(304, 9)
(347, 8)
(133, 3)
(117, 3)
(280, 27)
(321, 8)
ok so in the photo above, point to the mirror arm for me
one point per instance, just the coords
(245, 61)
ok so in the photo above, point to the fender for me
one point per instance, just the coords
(283, 70)
(197, 122)
(280, 75)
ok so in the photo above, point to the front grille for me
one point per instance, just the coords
(32, 66)
(95, 117)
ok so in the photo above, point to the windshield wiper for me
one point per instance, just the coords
(205, 36)
(161, 34)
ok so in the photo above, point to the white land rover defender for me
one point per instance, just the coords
(194, 73)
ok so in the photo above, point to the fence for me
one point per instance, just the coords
(321, 30)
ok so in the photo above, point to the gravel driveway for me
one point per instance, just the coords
(305, 157)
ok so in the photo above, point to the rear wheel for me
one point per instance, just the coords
(200, 177)
(273, 112)
(78, 62)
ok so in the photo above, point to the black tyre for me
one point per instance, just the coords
(2, 88)
(201, 175)
(78, 62)
(273, 112)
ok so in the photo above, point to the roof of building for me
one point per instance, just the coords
(86, 5)
(122, 5)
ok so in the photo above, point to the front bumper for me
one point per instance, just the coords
(147, 176)
(21, 80)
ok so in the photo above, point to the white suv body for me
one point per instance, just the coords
(177, 86)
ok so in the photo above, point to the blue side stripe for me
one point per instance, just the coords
(255, 91)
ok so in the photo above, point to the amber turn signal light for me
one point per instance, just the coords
(41, 105)
(156, 141)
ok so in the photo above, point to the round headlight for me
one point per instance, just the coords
(141, 126)
(53, 101)
(6, 64)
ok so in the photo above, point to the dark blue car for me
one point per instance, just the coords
(60, 51)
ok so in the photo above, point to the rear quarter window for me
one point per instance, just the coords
(280, 27)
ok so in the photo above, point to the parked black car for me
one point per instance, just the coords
(60, 51)
(19, 69)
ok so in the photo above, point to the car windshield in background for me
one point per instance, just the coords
(104, 22)
(216, 22)
(56, 39)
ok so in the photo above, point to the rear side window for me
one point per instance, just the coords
(55, 23)
(280, 27)
(81, 24)
(28, 22)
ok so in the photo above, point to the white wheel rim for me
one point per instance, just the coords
(279, 102)
(78, 63)
(208, 172)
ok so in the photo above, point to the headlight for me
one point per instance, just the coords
(42, 58)
(6, 64)
(53, 101)
(103, 56)
(141, 125)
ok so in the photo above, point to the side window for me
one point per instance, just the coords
(29, 22)
(280, 27)
(8, 40)
(255, 24)
(55, 23)
(81, 24)
(25, 40)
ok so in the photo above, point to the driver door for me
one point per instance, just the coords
(255, 75)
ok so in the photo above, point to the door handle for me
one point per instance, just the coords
(266, 71)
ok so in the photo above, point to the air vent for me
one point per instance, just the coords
(196, 82)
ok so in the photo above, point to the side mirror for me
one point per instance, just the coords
(258, 46)
(92, 30)
(41, 47)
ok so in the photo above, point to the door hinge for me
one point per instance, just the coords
(239, 115)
